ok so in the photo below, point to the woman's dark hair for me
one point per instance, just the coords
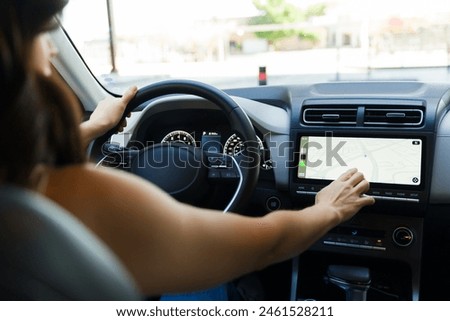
(37, 120)
(63, 119)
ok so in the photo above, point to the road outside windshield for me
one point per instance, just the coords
(228, 42)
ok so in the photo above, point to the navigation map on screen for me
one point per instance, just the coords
(381, 160)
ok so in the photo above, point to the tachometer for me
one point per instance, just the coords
(234, 145)
(179, 137)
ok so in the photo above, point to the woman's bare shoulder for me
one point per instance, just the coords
(80, 178)
(90, 176)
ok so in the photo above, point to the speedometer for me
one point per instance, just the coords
(179, 137)
(234, 145)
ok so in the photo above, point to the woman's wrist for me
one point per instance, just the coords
(89, 131)
(333, 214)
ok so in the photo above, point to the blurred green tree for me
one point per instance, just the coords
(283, 12)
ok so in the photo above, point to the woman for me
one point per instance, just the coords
(23, 35)
(108, 112)
(166, 245)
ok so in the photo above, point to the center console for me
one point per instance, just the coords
(385, 238)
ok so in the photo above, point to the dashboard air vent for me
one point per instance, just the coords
(332, 116)
(393, 117)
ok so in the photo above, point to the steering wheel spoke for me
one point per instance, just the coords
(222, 168)
(117, 156)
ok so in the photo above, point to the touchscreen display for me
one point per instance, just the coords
(381, 160)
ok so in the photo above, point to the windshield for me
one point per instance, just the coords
(242, 43)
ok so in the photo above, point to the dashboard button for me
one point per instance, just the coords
(273, 203)
(403, 236)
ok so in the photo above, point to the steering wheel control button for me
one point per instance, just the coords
(223, 174)
(228, 174)
(403, 236)
(273, 203)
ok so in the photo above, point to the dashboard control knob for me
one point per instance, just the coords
(403, 236)
(273, 203)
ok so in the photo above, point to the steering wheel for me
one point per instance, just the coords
(184, 171)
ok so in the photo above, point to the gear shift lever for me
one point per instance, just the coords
(354, 280)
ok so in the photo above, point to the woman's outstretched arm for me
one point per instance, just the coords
(171, 247)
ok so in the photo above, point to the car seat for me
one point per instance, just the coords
(47, 254)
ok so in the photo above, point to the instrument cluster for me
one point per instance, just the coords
(231, 146)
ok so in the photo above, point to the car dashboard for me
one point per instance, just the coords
(397, 132)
